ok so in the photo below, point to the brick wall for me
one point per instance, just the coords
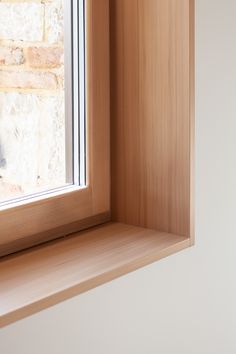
(32, 120)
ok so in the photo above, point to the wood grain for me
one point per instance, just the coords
(60, 231)
(39, 221)
(36, 279)
(152, 107)
(152, 131)
(192, 119)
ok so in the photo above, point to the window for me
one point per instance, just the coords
(42, 99)
(139, 87)
(54, 160)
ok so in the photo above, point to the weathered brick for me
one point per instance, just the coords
(31, 121)
(11, 56)
(28, 80)
(45, 57)
(32, 138)
(21, 21)
(8, 190)
(54, 21)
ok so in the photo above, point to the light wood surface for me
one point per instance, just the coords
(152, 108)
(152, 146)
(36, 279)
(64, 230)
(192, 119)
(23, 226)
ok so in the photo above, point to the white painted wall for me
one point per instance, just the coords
(185, 304)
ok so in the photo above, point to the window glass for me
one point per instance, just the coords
(40, 128)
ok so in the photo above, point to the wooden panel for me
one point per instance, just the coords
(192, 119)
(41, 277)
(98, 103)
(152, 104)
(45, 219)
(60, 231)
(152, 113)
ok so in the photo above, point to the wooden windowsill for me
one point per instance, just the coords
(46, 275)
